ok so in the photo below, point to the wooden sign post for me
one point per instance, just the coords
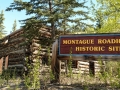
(84, 45)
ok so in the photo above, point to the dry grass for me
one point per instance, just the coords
(66, 83)
(107, 81)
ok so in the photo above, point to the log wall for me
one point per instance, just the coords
(83, 67)
(14, 50)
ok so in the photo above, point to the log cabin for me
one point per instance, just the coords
(14, 50)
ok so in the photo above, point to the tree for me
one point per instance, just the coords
(2, 27)
(55, 13)
(96, 11)
(108, 16)
(14, 26)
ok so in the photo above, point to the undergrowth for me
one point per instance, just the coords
(108, 77)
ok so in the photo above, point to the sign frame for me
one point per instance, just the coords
(85, 35)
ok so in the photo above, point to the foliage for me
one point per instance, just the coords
(70, 64)
(2, 27)
(56, 14)
(32, 79)
(6, 74)
(104, 81)
(107, 15)
(14, 26)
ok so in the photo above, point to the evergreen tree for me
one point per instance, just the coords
(2, 27)
(55, 13)
(14, 26)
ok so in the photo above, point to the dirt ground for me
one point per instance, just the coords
(19, 85)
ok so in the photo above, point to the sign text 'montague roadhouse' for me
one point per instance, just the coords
(107, 44)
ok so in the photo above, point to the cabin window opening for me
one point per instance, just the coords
(74, 64)
(45, 60)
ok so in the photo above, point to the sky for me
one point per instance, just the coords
(11, 16)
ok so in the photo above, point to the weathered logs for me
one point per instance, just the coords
(36, 45)
(16, 46)
(16, 40)
(14, 59)
(18, 51)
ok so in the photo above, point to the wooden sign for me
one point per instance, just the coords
(89, 44)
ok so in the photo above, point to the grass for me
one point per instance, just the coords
(109, 79)
(83, 81)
